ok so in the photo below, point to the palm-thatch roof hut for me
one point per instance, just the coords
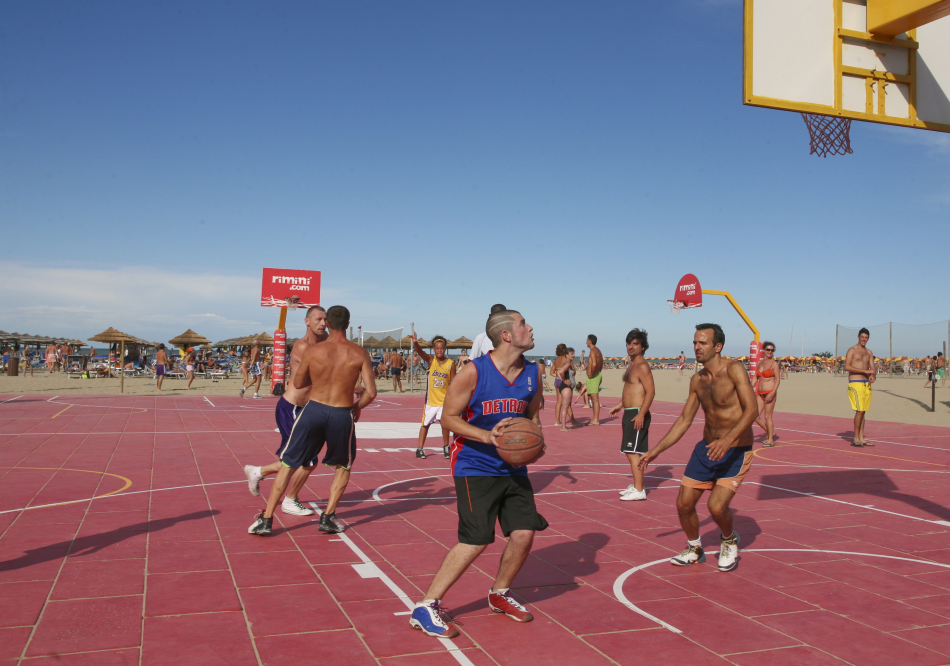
(111, 335)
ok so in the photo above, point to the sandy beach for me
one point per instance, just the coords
(895, 399)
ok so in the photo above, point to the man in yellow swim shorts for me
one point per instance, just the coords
(859, 364)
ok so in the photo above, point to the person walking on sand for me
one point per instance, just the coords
(254, 370)
(768, 377)
(638, 393)
(940, 365)
(682, 363)
(722, 458)
(397, 364)
(190, 361)
(595, 366)
(161, 365)
(859, 364)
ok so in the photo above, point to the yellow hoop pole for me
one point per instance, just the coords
(745, 317)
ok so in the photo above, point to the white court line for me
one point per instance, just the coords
(369, 569)
(53, 398)
(825, 434)
(944, 523)
(416, 469)
(11, 400)
(208, 401)
(618, 584)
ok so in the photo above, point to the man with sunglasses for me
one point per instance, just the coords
(768, 375)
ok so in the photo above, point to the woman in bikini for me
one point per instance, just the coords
(768, 376)
(565, 374)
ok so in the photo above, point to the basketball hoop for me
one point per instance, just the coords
(292, 302)
(828, 134)
(676, 306)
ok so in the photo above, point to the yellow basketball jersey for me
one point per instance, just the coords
(438, 381)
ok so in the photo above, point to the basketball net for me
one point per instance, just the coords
(828, 134)
(676, 306)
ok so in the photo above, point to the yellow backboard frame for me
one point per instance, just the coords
(874, 79)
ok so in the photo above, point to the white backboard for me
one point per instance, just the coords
(816, 56)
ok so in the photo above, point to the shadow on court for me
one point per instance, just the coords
(872, 482)
(579, 555)
(923, 405)
(87, 545)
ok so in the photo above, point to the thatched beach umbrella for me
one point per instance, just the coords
(111, 335)
(189, 339)
(460, 343)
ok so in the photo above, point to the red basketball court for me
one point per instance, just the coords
(846, 553)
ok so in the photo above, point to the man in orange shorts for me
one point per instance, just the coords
(722, 458)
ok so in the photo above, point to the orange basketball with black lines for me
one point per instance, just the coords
(521, 442)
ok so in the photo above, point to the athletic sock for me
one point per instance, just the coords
(502, 590)
(695, 542)
(729, 538)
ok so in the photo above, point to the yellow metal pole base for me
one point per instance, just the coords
(745, 317)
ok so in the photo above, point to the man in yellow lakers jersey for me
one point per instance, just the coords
(441, 372)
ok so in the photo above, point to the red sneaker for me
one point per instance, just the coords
(505, 603)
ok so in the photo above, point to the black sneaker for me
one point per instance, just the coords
(261, 526)
(329, 524)
(445, 450)
(421, 454)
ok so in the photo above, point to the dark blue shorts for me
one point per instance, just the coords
(703, 473)
(318, 424)
(285, 414)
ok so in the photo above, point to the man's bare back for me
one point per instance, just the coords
(397, 361)
(595, 363)
(331, 369)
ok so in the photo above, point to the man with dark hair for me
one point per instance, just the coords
(859, 364)
(331, 370)
(682, 364)
(288, 407)
(722, 458)
(489, 391)
(253, 370)
(941, 369)
(638, 393)
(397, 363)
(595, 364)
(440, 375)
(482, 344)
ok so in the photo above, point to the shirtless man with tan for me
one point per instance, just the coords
(330, 369)
(859, 364)
(638, 394)
(396, 365)
(288, 407)
(595, 365)
(723, 457)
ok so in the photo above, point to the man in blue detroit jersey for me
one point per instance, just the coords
(485, 395)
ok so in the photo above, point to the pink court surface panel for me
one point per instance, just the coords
(845, 552)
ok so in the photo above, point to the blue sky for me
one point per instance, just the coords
(572, 160)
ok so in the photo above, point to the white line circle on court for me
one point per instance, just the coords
(618, 584)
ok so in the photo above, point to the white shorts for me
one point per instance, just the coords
(432, 415)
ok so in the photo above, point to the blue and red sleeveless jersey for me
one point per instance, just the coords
(494, 399)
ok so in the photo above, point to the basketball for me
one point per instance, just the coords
(521, 442)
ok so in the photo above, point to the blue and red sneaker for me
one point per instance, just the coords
(428, 618)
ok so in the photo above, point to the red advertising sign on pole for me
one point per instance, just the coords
(283, 288)
(755, 356)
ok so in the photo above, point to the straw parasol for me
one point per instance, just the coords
(111, 335)
(189, 339)
(460, 343)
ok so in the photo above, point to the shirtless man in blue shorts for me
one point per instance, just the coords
(288, 407)
(722, 458)
(330, 369)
